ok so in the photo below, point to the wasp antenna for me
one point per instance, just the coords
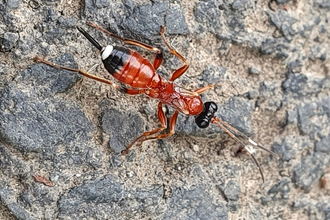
(246, 137)
(226, 127)
(90, 38)
(256, 162)
(265, 149)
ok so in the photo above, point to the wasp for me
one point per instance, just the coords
(140, 77)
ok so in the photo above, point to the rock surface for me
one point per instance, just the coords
(61, 135)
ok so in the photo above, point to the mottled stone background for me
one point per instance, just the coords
(273, 61)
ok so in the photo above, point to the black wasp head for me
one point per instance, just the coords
(203, 119)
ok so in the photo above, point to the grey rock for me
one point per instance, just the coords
(51, 15)
(312, 208)
(237, 112)
(6, 196)
(36, 120)
(324, 207)
(232, 170)
(283, 21)
(220, 19)
(295, 83)
(318, 52)
(13, 4)
(256, 213)
(231, 191)
(233, 206)
(75, 156)
(175, 21)
(283, 1)
(323, 145)
(296, 64)
(252, 94)
(37, 196)
(270, 97)
(146, 20)
(123, 128)
(197, 201)
(310, 169)
(309, 118)
(299, 204)
(324, 4)
(11, 166)
(291, 117)
(102, 3)
(115, 161)
(300, 86)
(278, 47)
(98, 198)
(67, 22)
(9, 41)
(254, 71)
(3, 69)
(207, 13)
(280, 191)
(267, 89)
(285, 149)
(47, 1)
(48, 81)
(53, 34)
(239, 4)
(41, 128)
(212, 74)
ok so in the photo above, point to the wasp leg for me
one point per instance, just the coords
(85, 73)
(159, 55)
(162, 119)
(160, 136)
(223, 127)
(177, 73)
(205, 88)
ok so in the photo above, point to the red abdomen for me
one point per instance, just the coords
(131, 68)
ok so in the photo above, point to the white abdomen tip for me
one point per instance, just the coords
(106, 52)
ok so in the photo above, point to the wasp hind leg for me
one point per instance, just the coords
(120, 88)
(159, 54)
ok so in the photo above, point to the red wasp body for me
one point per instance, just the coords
(130, 68)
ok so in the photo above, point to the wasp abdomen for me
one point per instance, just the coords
(117, 59)
(131, 68)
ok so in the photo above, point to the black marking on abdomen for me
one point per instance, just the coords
(117, 59)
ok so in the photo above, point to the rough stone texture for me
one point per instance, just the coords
(311, 168)
(175, 21)
(113, 120)
(283, 21)
(279, 192)
(9, 41)
(254, 71)
(313, 118)
(212, 74)
(231, 191)
(323, 145)
(107, 193)
(285, 150)
(271, 59)
(194, 203)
